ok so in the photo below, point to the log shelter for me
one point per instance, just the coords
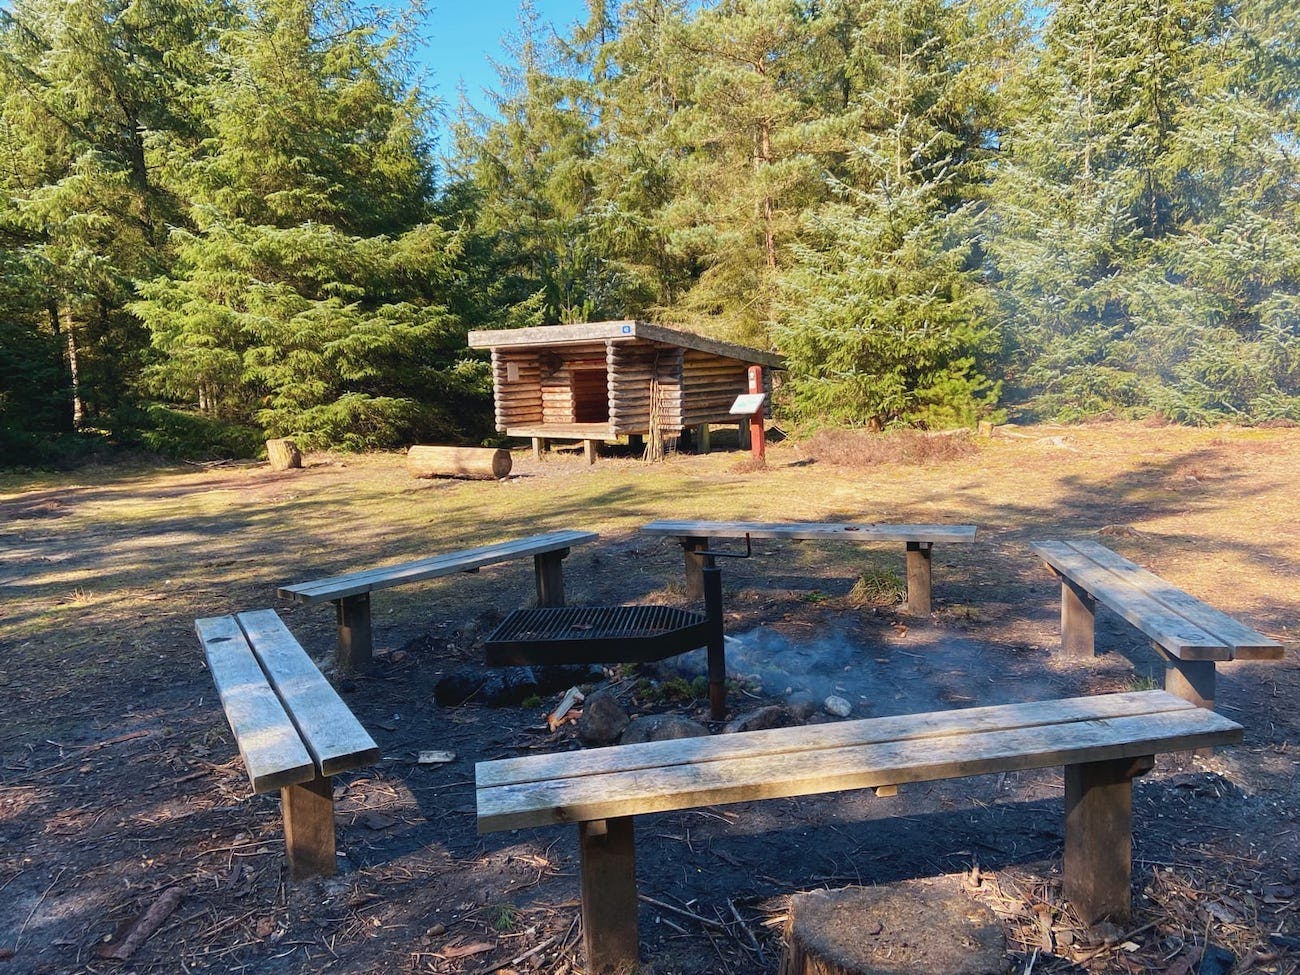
(599, 381)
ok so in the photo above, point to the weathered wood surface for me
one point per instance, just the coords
(283, 454)
(961, 534)
(781, 763)
(1247, 644)
(333, 736)
(308, 811)
(1170, 617)
(1099, 837)
(475, 462)
(929, 927)
(919, 575)
(616, 331)
(564, 431)
(369, 580)
(269, 744)
(609, 899)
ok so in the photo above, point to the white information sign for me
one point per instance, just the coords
(747, 404)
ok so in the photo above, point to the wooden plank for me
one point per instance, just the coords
(332, 734)
(810, 738)
(561, 431)
(1176, 634)
(874, 532)
(273, 753)
(839, 769)
(385, 577)
(545, 336)
(1246, 643)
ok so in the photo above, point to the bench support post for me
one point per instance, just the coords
(1099, 836)
(308, 811)
(609, 901)
(918, 578)
(355, 650)
(1192, 680)
(1078, 611)
(694, 567)
(549, 569)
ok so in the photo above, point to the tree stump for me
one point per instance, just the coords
(283, 454)
(920, 927)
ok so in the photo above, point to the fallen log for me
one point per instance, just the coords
(475, 462)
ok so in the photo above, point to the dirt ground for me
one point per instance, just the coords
(119, 779)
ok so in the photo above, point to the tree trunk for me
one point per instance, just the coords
(480, 462)
(74, 370)
(929, 927)
(283, 454)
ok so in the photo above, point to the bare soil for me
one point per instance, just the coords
(119, 779)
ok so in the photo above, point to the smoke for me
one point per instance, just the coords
(881, 671)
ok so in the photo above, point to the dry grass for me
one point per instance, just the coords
(859, 448)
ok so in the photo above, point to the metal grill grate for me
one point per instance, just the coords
(597, 634)
(593, 623)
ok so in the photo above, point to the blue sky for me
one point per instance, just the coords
(459, 37)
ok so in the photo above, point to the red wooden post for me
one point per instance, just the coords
(757, 443)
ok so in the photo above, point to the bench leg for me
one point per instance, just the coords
(1099, 836)
(549, 569)
(694, 567)
(1192, 680)
(309, 827)
(1078, 612)
(355, 650)
(918, 578)
(609, 931)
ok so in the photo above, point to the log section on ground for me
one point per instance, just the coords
(473, 462)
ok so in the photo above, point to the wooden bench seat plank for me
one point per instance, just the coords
(1245, 643)
(334, 737)
(784, 741)
(368, 580)
(1178, 635)
(814, 530)
(268, 741)
(837, 769)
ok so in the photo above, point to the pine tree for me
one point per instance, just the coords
(886, 320)
(309, 292)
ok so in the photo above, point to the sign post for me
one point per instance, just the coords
(751, 404)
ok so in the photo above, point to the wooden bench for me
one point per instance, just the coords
(293, 731)
(351, 593)
(919, 539)
(1103, 742)
(1189, 635)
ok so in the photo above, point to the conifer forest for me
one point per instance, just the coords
(227, 220)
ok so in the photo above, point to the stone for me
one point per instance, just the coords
(603, 719)
(662, 727)
(772, 716)
(803, 705)
(838, 706)
(496, 688)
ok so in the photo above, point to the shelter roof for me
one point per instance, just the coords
(552, 336)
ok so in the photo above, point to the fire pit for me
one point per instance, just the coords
(620, 634)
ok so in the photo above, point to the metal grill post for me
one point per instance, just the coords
(717, 644)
